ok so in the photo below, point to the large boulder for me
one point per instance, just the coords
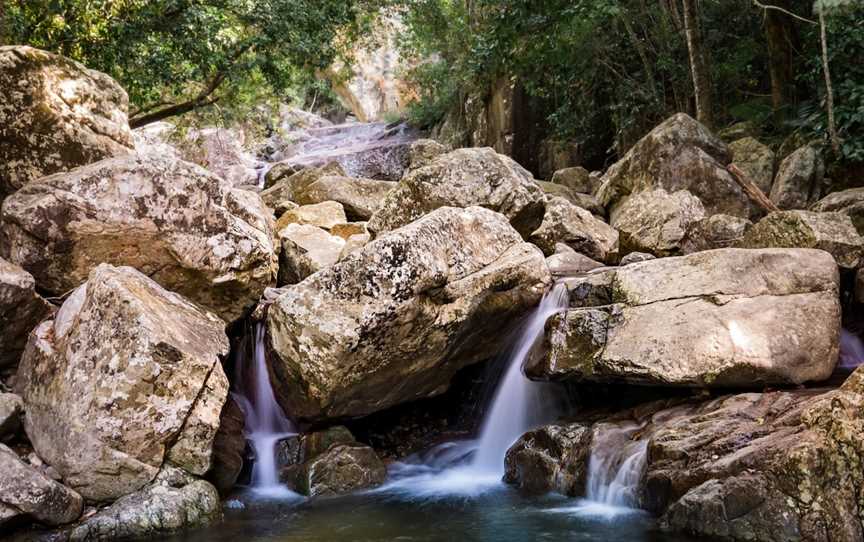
(464, 178)
(656, 221)
(831, 232)
(679, 154)
(360, 197)
(175, 222)
(567, 224)
(27, 493)
(728, 317)
(849, 202)
(799, 179)
(754, 159)
(577, 179)
(123, 381)
(284, 183)
(306, 250)
(21, 309)
(55, 115)
(397, 318)
(550, 458)
(586, 201)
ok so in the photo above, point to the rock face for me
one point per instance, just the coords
(126, 378)
(679, 154)
(396, 319)
(727, 317)
(464, 178)
(776, 466)
(284, 183)
(11, 412)
(655, 221)
(55, 115)
(27, 493)
(306, 250)
(21, 309)
(175, 222)
(175, 502)
(716, 231)
(229, 446)
(220, 151)
(831, 232)
(799, 179)
(576, 228)
(849, 202)
(360, 197)
(754, 159)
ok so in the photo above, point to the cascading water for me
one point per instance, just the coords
(616, 464)
(266, 423)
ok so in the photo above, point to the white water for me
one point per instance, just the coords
(616, 464)
(266, 423)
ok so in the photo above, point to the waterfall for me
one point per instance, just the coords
(515, 407)
(616, 464)
(266, 423)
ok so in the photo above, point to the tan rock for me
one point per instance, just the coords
(21, 310)
(306, 250)
(324, 215)
(577, 228)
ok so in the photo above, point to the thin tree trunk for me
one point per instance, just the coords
(3, 37)
(698, 64)
(829, 89)
(778, 35)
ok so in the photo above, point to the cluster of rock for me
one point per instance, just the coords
(378, 280)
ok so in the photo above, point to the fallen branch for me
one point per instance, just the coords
(753, 192)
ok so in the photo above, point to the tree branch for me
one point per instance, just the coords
(753, 192)
(782, 10)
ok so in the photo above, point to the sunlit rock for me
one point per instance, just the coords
(655, 221)
(306, 249)
(324, 215)
(567, 224)
(360, 197)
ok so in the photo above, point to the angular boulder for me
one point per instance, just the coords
(360, 197)
(576, 228)
(55, 115)
(832, 232)
(11, 412)
(586, 201)
(21, 310)
(577, 179)
(716, 231)
(799, 179)
(306, 250)
(172, 220)
(754, 159)
(679, 154)
(324, 215)
(464, 178)
(397, 318)
(124, 380)
(551, 458)
(27, 493)
(728, 317)
(655, 221)
(423, 152)
(849, 202)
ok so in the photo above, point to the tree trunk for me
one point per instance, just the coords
(829, 89)
(779, 35)
(698, 64)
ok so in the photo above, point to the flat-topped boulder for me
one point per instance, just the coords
(324, 215)
(21, 309)
(185, 228)
(464, 178)
(360, 197)
(125, 379)
(396, 319)
(728, 317)
(849, 202)
(55, 115)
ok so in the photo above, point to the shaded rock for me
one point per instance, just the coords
(568, 262)
(55, 115)
(283, 182)
(831, 232)
(716, 231)
(11, 412)
(576, 179)
(726, 317)
(679, 154)
(27, 493)
(174, 503)
(577, 228)
(229, 446)
(636, 257)
(306, 250)
(799, 179)
(849, 202)
(586, 201)
(173, 221)
(740, 130)
(21, 309)
(754, 159)
(427, 292)
(592, 289)
(551, 458)
(323, 215)
(655, 221)
(423, 152)
(360, 197)
(464, 178)
(125, 378)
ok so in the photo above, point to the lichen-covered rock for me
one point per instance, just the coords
(831, 232)
(283, 183)
(396, 319)
(55, 115)
(655, 221)
(586, 201)
(577, 228)
(754, 159)
(125, 378)
(716, 231)
(728, 317)
(576, 179)
(27, 493)
(799, 179)
(424, 152)
(551, 458)
(11, 412)
(849, 202)
(306, 250)
(360, 197)
(464, 178)
(173, 503)
(679, 154)
(21, 309)
(324, 215)
(183, 227)
(220, 151)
